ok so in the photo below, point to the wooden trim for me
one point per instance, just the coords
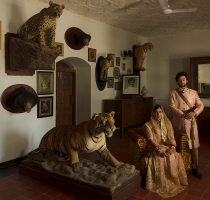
(12, 162)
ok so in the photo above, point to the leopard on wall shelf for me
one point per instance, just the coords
(34, 29)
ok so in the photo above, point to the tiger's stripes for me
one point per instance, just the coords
(56, 140)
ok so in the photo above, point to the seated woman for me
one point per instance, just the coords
(166, 174)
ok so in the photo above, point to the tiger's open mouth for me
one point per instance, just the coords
(109, 132)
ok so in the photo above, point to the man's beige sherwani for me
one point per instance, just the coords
(177, 106)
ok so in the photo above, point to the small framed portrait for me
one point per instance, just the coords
(128, 71)
(61, 47)
(45, 107)
(45, 82)
(116, 72)
(91, 55)
(110, 82)
(117, 61)
(123, 67)
(0, 34)
(130, 84)
(117, 85)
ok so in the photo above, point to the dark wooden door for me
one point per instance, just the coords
(65, 97)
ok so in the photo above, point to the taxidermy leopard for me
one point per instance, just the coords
(34, 28)
(88, 136)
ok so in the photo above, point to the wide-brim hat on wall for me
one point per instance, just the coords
(70, 38)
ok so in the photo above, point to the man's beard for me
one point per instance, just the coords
(182, 86)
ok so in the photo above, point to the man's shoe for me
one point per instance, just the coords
(196, 174)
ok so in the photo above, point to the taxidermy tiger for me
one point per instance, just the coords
(88, 136)
(35, 27)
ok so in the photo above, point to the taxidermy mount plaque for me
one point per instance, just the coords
(36, 47)
(105, 64)
(100, 84)
(76, 38)
(19, 98)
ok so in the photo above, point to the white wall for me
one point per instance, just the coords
(169, 56)
(21, 133)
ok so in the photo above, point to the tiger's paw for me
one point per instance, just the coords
(127, 166)
(77, 164)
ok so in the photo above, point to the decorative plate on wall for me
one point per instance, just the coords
(116, 72)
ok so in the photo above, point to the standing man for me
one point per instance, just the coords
(186, 105)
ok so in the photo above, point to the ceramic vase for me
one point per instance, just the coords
(144, 91)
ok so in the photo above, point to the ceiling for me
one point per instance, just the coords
(143, 17)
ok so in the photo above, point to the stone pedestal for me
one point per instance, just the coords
(30, 169)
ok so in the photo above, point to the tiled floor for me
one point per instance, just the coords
(18, 187)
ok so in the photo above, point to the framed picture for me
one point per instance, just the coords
(91, 55)
(117, 85)
(128, 71)
(131, 84)
(110, 82)
(123, 67)
(117, 61)
(116, 72)
(0, 34)
(61, 46)
(45, 82)
(45, 107)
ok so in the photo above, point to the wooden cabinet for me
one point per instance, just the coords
(129, 112)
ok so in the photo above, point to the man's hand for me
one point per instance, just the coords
(189, 115)
(162, 153)
(169, 151)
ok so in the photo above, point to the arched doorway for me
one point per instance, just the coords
(65, 94)
(82, 70)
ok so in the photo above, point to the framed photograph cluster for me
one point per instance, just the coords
(130, 84)
(45, 86)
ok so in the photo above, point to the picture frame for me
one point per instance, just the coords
(0, 34)
(123, 67)
(117, 61)
(110, 82)
(45, 82)
(116, 72)
(45, 107)
(117, 85)
(61, 46)
(130, 84)
(129, 71)
(91, 55)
